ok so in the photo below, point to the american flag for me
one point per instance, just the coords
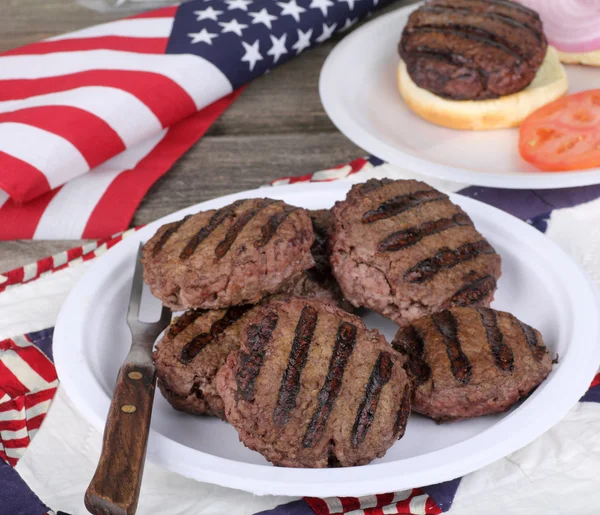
(89, 120)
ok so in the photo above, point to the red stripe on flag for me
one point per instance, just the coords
(20, 222)
(163, 96)
(596, 381)
(17, 403)
(115, 209)
(38, 361)
(431, 507)
(165, 12)
(68, 122)
(43, 265)
(19, 179)
(35, 422)
(319, 506)
(12, 425)
(10, 384)
(127, 44)
(384, 499)
(16, 443)
(350, 503)
(35, 398)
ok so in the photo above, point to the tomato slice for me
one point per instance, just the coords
(563, 135)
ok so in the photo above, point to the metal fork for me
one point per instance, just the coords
(115, 487)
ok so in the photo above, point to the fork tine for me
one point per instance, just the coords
(137, 287)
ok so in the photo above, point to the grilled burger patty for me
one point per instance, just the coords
(194, 347)
(405, 250)
(312, 387)
(231, 256)
(469, 362)
(473, 49)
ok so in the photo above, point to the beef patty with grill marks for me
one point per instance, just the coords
(231, 256)
(469, 362)
(473, 49)
(405, 250)
(311, 386)
(187, 358)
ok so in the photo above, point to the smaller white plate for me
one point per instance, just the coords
(359, 92)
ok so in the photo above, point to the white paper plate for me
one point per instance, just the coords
(359, 93)
(539, 284)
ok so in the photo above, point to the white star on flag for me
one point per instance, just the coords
(207, 14)
(350, 3)
(278, 48)
(292, 9)
(238, 4)
(349, 23)
(263, 16)
(233, 26)
(303, 41)
(252, 55)
(202, 37)
(321, 4)
(327, 32)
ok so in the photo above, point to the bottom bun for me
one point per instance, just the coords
(587, 58)
(549, 83)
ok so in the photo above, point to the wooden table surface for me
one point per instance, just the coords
(277, 127)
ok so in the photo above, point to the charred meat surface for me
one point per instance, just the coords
(311, 386)
(469, 362)
(187, 359)
(230, 256)
(473, 49)
(405, 250)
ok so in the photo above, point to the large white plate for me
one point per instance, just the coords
(359, 93)
(539, 284)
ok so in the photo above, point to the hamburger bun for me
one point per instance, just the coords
(588, 58)
(549, 83)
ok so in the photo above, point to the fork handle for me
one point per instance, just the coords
(115, 487)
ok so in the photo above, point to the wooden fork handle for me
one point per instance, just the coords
(115, 487)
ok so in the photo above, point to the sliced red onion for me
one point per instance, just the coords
(569, 25)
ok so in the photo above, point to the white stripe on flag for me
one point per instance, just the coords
(13, 435)
(58, 159)
(3, 197)
(60, 258)
(203, 81)
(12, 415)
(70, 209)
(368, 501)
(128, 116)
(21, 341)
(4, 398)
(334, 504)
(29, 272)
(135, 28)
(417, 504)
(13, 452)
(40, 408)
(401, 496)
(23, 372)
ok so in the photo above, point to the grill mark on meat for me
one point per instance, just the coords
(184, 321)
(401, 203)
(250, 363)
(380, 375)
(374, 184)
(402, 239)
(403, 411)
(164, 237)
(538, 351)
(513, 6)
(490, 15)
(412, 345)
(446, 258)
(503, 354)
(236, 228)
(290, 382)
(270, 228)
(471, 33)
(344, 345)
(459, 363)
(196, 344)
(215, 220)
(474, 292)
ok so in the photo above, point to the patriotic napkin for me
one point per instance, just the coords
(91, 119)
(555, 474)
